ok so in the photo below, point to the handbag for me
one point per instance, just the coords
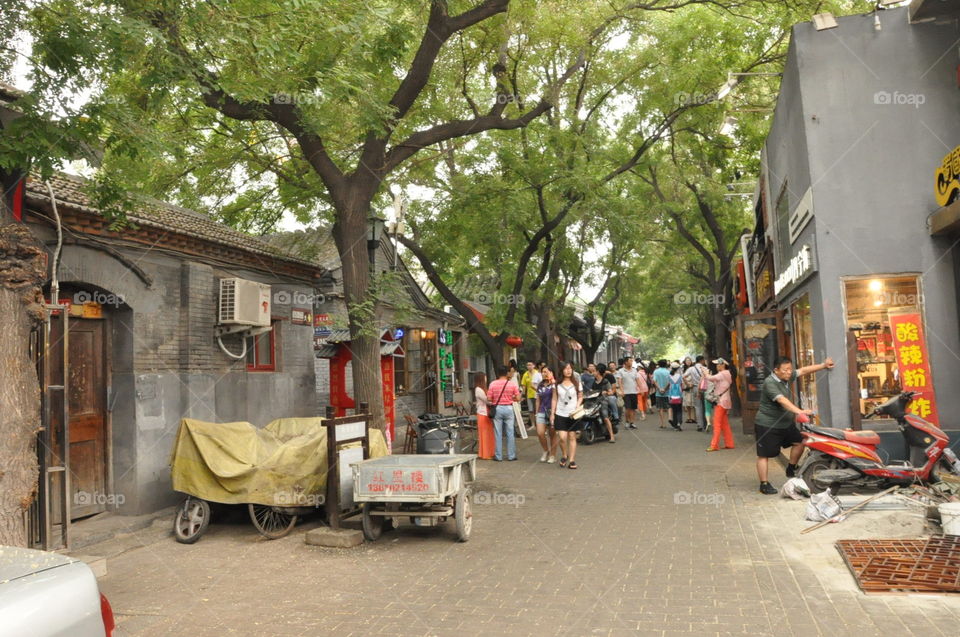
(578, 413)
(713, 397)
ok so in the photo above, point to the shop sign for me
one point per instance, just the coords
(947, 178)
(798, 269)
(447, 369)
(320, 320)
(913, 363)
(301, 316)
(764, 284)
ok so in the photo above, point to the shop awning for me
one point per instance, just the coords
(478, 309)
(327, 350)
(629, 339)
(946, 221)
(391, 348)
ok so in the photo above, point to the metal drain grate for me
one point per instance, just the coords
(904, 566)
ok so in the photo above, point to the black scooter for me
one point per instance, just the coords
(592, 426)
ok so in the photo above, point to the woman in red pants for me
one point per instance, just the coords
(486, 445)
(722, 383)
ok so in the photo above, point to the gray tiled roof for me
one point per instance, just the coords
(163, 216)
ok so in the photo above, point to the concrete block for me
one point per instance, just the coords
(334, 538)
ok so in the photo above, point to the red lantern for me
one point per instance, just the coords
(514, 341)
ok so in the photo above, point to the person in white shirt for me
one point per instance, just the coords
(629, 381)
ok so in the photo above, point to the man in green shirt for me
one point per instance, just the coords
(775, 425)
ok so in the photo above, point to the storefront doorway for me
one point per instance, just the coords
(803, 351)
(870, 302)
(761, 342)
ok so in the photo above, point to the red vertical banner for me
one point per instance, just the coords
(386, 380)
(913, 362)
(18, 200)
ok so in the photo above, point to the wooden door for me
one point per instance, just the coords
(87, 412)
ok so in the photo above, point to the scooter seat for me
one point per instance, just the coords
(865, 437)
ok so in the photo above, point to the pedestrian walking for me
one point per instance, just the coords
(567, 399)
(503, 392)
(697, 373)
(652, 393)
(689, 387)
(629, 380)
(720, 397)
(485, 441)
(528, 384)
(777, 415)
(545, 430)
(661, 381)
(675, 394)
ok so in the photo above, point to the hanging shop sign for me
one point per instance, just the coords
(447, 368)
(913, 363)
(301, 316)
(947, 178)
(800, 266)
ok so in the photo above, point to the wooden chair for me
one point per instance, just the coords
(410, 439)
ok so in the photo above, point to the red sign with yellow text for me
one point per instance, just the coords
(910, 347)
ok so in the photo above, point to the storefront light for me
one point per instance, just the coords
(876, 285)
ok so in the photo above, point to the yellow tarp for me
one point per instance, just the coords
(237, 463)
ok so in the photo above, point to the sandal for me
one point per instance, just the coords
(563, 462)
(573, 465)
(712, 449)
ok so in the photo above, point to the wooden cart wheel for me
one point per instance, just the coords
(271, 524)
(372, 524)
(191, 521)
(463, 514)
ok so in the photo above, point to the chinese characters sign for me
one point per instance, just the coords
(398, 481)
(910, 347)
(447, 371)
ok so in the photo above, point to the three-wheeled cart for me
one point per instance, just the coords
(428, 489)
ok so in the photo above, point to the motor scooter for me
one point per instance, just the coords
(592, 427)
(852, 458)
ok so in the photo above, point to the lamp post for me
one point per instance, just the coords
(375, 226)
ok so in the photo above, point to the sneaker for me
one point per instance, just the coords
(551, 460)
(543, 458)
(631, 426)
(767, 489)
(791, 470)
(711, 449)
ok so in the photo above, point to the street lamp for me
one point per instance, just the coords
(375, 226)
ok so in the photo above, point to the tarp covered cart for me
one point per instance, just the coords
(278, 471)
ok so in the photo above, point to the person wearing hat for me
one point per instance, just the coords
(675, 395)
(775, 425)
(720, 397)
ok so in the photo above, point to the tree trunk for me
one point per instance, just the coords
(350, 235)
(20, 280)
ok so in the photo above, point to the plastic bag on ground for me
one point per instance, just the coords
(795, 488)
(824, 506)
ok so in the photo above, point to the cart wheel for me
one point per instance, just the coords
(463, 514)
(271, 524)
(372, 524)
(191, 521)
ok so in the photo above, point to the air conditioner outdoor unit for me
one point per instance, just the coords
(244, 302)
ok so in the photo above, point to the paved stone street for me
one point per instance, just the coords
(610, 549)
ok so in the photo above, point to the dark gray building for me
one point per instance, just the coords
(842, 253)
(143, 349)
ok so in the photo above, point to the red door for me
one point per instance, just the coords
(87, 402)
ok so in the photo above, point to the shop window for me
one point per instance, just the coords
(400, 365)
(262, 350)
(804, 351)
(869, 304)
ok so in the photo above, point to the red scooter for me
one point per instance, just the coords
(850, 457)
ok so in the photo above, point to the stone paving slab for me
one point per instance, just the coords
(651, 536)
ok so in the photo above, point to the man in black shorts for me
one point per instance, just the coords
(775, 427)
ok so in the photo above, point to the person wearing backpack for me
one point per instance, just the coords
(719, 396)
